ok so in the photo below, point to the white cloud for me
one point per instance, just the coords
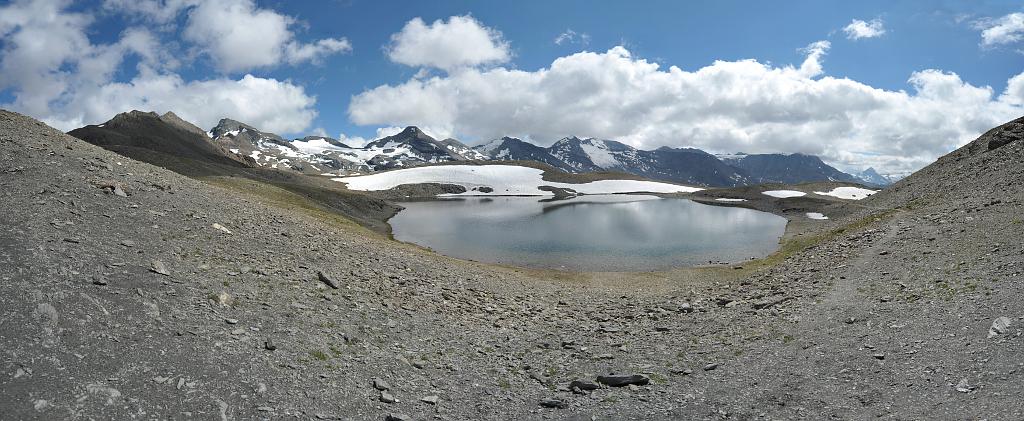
(727, 106)
(55, 73)
(811, 66)
(1014, 93)
(239, 36)
(572, 37)
(388, 131)
(460, 42)
(268, 104)
(353, 141)
(858, 29)
(1005, 30)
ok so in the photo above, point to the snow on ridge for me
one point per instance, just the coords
(782, 194)
(315, 146)
(505, 180)
(599, 154)
(849, 193)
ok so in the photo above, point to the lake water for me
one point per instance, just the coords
(588, 233)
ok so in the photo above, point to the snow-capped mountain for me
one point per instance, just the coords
(576, 154)
(786, 168)
(244, 144)
(871, 177)
(327, 156)
(513, 149)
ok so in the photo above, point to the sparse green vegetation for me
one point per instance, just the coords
(320, 355)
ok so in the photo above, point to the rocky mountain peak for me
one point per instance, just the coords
(173, 119)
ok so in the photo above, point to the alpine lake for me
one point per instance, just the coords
(592, 233)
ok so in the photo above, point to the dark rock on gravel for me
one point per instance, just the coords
(327, 280)
(583, 385)
(623, 380)
(554, 403)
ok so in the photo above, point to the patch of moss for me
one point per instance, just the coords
(320, 355)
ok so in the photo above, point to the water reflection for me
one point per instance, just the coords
(594, 233)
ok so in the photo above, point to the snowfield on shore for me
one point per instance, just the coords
(849, 193)
(782, 194)
(505, 180)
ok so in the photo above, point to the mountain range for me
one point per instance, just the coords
(235, 143)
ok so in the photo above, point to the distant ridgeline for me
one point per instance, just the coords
(236, 143)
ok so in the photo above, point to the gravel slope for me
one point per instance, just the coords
(883, 318)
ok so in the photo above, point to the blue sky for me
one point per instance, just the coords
(164, 56)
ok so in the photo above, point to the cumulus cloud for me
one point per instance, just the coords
(572, 37)
(1005, 30)
(460, 42)
(727, 106)
(56, 73)
(239, 36)
(858, 29)
(269, 104)
(353, 141)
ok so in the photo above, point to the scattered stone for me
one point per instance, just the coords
(264, 408)
(879, 356)
(710, 366)
(99, 281)
(583, 386)
(397, 417)
(623, 380)
(327, 280)
(432, 399)
(770, 302)
(159, 268)
(380, 384)
(999, 326)
(685, 308)
(128, 243)
(224, 299)
(964, 387)
(221, 228)
(231, 321)
(387, 397)
(269, 345)
(554, 404)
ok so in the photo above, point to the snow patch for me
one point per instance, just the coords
(728, 199)
(599, 154)
(849, 193)
(816, 215)
(782, 194)
(315, 146)
(505, 180)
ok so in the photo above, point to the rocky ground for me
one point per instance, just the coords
(131, 292)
